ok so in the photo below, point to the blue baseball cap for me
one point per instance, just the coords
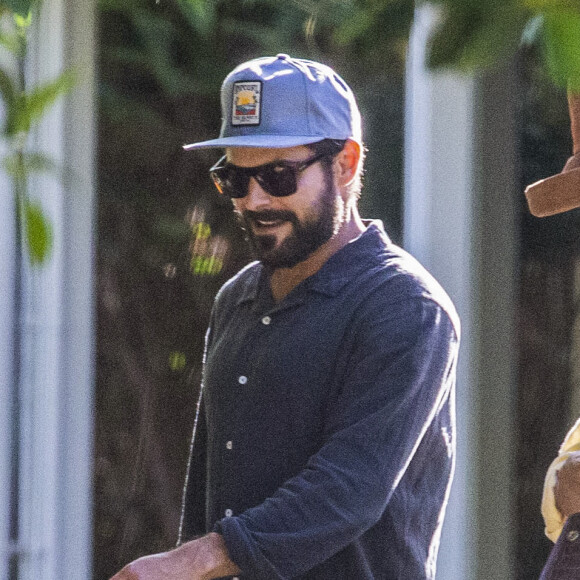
(281, 101)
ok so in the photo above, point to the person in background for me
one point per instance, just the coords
(561, 510)
(325, 440)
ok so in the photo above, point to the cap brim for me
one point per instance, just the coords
(275, 141)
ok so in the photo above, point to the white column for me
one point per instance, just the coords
(76, 419)
(459, 221)
(7, 337)
(41, 387)
(57, 355)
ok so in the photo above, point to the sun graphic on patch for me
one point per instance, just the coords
(246, 103)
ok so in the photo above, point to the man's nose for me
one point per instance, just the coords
(257, 197)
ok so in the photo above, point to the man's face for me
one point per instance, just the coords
(284, 231)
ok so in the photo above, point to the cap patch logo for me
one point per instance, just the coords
(247, 98)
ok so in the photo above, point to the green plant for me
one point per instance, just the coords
(475, 34)
(23, 108)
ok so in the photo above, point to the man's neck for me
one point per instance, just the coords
(284, 280)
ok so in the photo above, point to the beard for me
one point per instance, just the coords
(320, 224)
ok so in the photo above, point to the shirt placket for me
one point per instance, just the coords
(231, 439)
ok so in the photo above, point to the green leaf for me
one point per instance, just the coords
(471, 39)
(356, 26)
(200, 14)
(38, 233)
(9, 97)
(562, 47)
(11, 42)
(36, 103)
(544, 5)
(449, 38)
(19, 165)
(158, 37)
(23, 21)
(19, 7)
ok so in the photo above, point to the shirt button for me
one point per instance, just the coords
(229, 513)
(229, 445)
(242, 380)
(572, 535)
(266, 320)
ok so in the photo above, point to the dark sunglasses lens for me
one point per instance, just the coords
(278, 180)
(230, 182)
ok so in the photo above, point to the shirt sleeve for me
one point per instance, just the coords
(564, 560)
(398, 375)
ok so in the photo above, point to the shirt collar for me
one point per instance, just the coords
(338, 270)
(354, 258)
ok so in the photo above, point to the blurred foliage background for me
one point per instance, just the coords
(166, 242)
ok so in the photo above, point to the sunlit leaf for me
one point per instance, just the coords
(38, 233)
(177, 360)
(18, 165)
(562, 43)
(42, 98)
(23, 21)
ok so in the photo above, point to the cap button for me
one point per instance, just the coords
(282, 56)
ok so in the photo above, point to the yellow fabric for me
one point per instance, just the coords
(552, 518)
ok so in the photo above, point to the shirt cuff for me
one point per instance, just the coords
(243, 552)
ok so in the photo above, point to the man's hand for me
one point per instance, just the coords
(201, 559)
(567, 488)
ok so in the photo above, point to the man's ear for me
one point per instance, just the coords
(347, 162)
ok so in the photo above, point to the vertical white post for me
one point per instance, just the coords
(7, 336)
(56, 357)
(437, 229)
(459, 221)
(75, 492)
(41, 385)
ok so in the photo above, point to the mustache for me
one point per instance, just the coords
(270, 215)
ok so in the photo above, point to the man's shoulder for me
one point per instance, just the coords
(400, 277)
(245, 281)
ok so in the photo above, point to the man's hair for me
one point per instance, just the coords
(332, 147)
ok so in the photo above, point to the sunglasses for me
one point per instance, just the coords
(277, 179)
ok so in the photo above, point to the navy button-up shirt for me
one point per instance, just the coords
(329, 419)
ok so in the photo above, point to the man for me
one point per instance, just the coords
(328, 387)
